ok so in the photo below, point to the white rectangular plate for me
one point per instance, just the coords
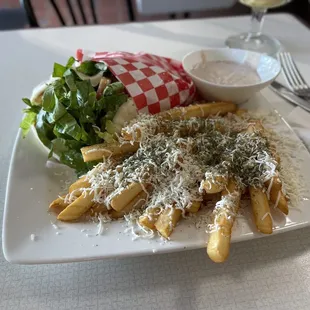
(32, 186)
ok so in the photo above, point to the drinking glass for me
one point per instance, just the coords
(255, 40)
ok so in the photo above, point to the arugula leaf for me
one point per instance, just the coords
(68, 125)
(58, 70)
(49, 99)
(28, 120)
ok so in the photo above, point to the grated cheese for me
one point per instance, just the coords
(265, 215)
(176, 156)
(278, 199)
(102, 220)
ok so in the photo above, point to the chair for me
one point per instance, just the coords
(172, 7)
(73, 10)
(11, 19)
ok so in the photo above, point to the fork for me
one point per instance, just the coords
(293, 75)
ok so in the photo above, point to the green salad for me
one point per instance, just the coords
(76, 109)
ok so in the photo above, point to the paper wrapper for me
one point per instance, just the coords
(155, 83)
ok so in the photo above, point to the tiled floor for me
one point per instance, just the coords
(108, 11)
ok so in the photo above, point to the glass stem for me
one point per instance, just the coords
(257, 21)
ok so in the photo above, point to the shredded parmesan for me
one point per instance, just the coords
(102, 219)
(265, 215)
(174, 157)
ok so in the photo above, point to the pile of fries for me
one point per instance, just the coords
(80, 202)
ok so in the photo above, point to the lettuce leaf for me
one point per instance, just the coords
(67, 125)
(70, 155)
(91, 68)
(49, 99)
(71, 116)
(113, 89)
(28, 121)
(44, 129)
(58, 70)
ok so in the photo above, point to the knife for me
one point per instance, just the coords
(287, 94)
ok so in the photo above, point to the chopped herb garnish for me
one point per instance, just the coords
(176, 162)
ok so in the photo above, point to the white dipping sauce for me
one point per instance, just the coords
(226, 73)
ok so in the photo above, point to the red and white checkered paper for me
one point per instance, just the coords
(155, 83)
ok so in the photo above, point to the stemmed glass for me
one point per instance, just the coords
(255, 40)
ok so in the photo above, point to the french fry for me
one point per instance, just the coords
(121, 200)
(219, 240)
(262, 214)
(80, 183)
(166, 128)
(261, 210)
(167, 220)
(259, 201)
(96, 209)
(100, 151)
(202, 110)
(193, 207)
(149, 217)
(276, 195)
(77, 208)
(127, 136)
(197, 110)
(137, 203)
(275, 155)
(241, 112)
(214, 185)
(211, 197)
(58, 204)
(255, 126)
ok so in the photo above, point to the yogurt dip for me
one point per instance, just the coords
(226, 73)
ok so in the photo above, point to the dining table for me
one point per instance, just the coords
(264, 273)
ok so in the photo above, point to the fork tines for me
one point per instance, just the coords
(293, 75)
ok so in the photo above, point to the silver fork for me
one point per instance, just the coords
(293, 75)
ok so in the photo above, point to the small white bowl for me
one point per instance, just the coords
(266, 67)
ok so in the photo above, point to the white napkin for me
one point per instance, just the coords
(299, 119)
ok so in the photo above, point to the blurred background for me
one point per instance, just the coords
(16, 14)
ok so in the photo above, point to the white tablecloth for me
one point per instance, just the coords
(269, 273)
